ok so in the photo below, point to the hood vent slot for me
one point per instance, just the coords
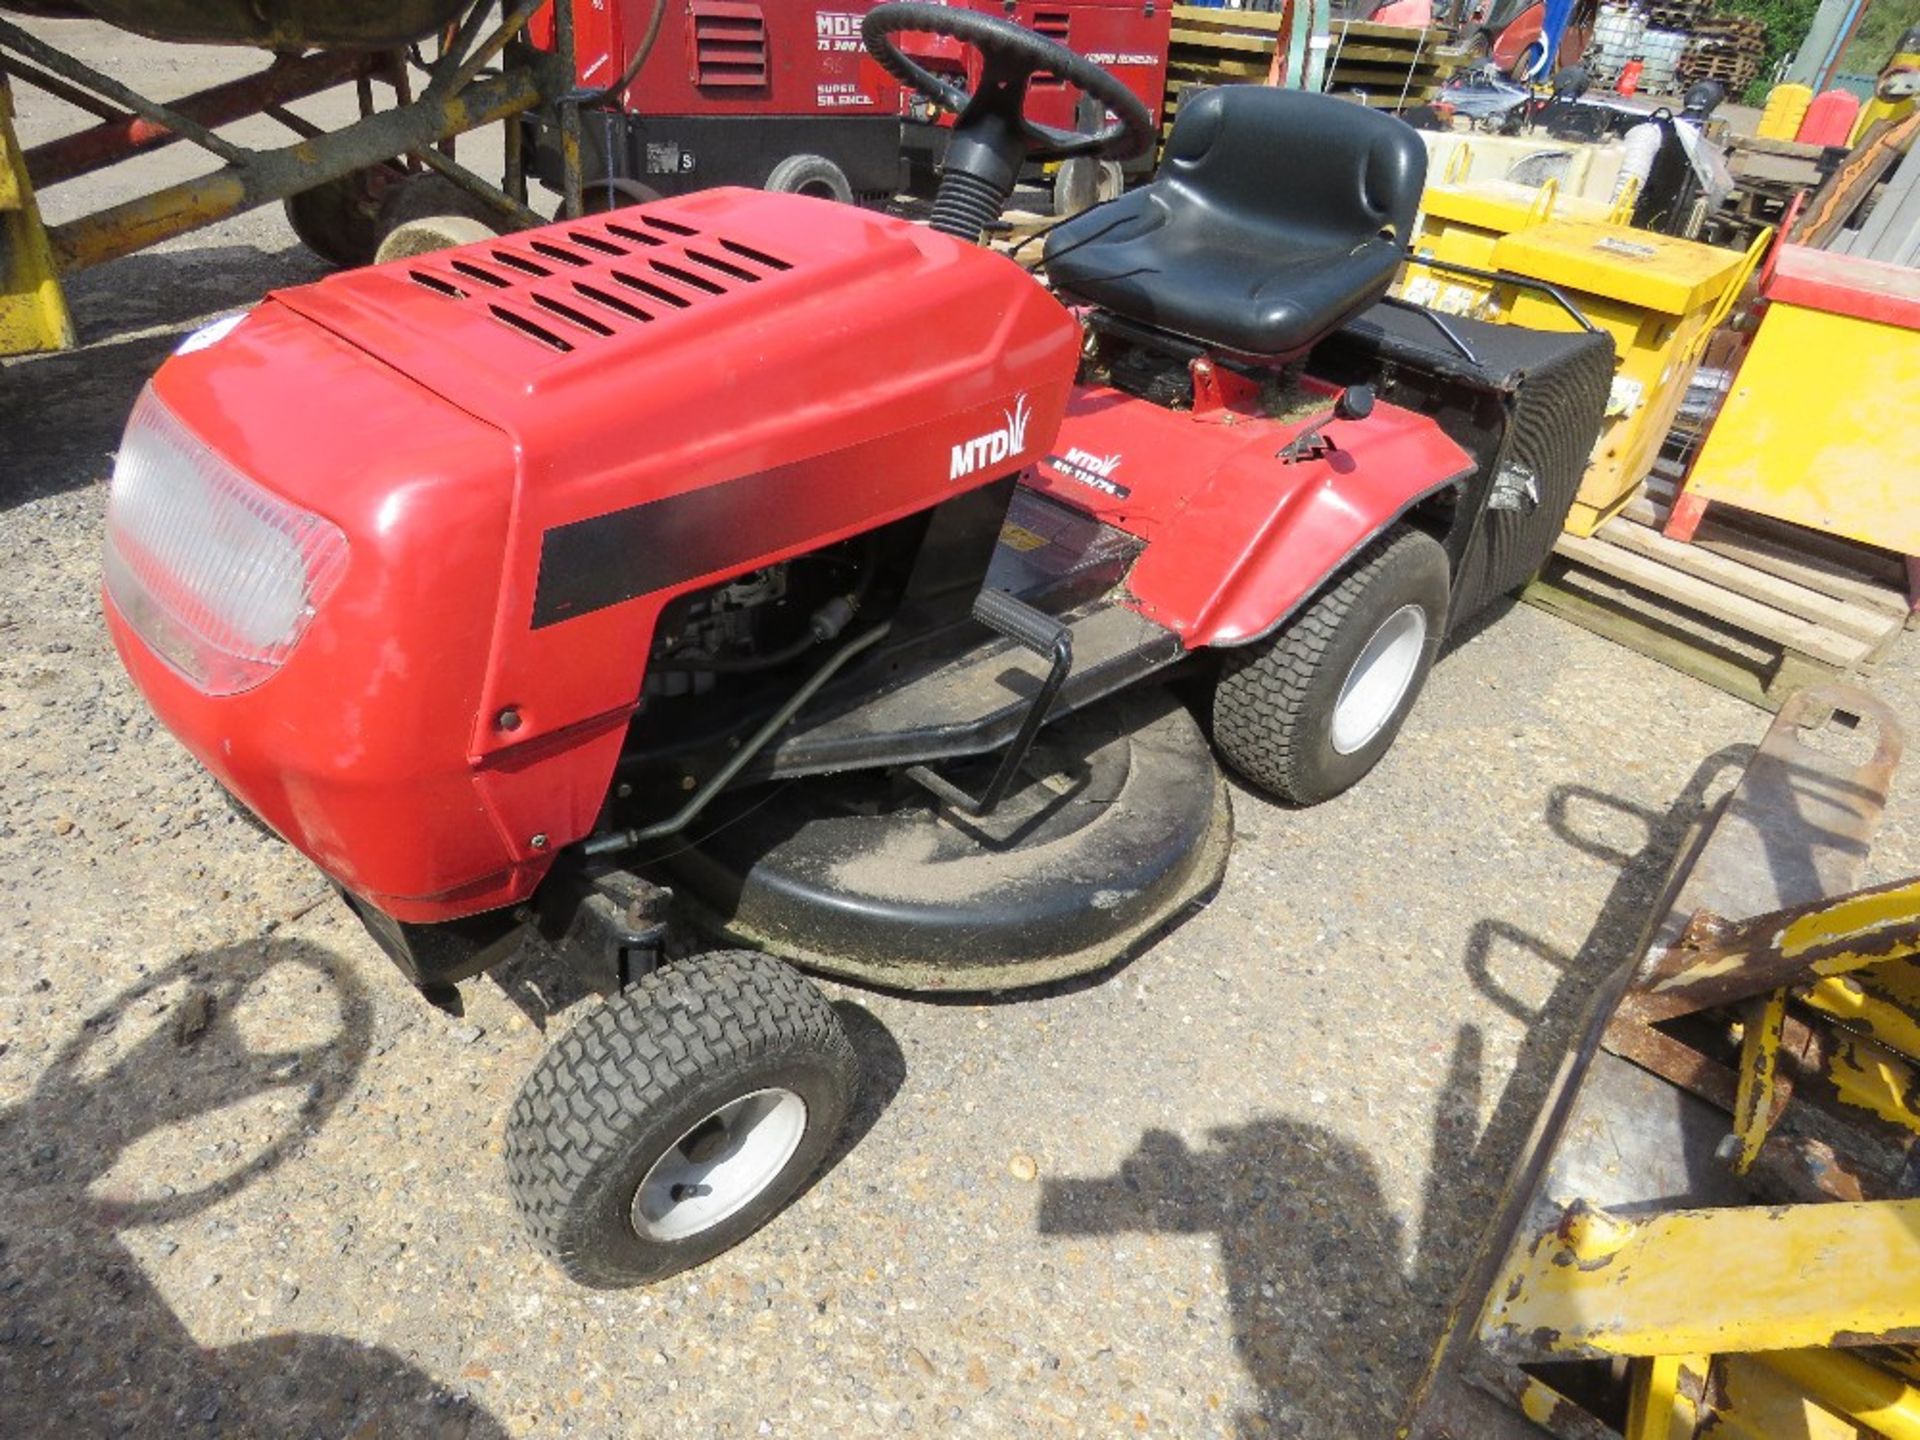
(758, 257)
(602, 297)
(572, 314)
(612, 302)
(647, 287)
(671, 227)
(440, 285)
(558, 252)
(484, 276)
(638, 237)
(595, 242)
(724, 267)
(520, 263)
(687, 277)
(531, 328)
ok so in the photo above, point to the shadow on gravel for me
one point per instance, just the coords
(61, 415)
(1320, 1274)
(175, 1095)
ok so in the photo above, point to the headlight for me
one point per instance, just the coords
(218, 576)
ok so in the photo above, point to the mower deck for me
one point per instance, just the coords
(1122, 821)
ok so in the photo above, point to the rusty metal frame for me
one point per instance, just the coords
(1560, 1279)
(459, 96)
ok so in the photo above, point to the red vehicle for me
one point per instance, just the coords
(788, 575)
(1507, 30)
(781, 95)
(773, 94)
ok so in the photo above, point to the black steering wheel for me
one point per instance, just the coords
(1012, 55)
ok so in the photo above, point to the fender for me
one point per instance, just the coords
(1230, 557)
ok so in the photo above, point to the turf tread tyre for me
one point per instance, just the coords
(584, 1127)
(1271, 704)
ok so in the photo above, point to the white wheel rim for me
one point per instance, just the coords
(1371, 694)
(719, 1165)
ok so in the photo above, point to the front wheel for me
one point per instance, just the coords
(678, 1118)
(1309, 710)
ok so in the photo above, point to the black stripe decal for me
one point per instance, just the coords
(592, 564)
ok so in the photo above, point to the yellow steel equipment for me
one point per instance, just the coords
(33, 312)
(1659, 297)
(1896, 88)
(1461, 222)
(1579, 167)
(1710, 1236)
(1817, 427)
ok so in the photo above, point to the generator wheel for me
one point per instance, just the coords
(1307, 711)
(811, 175)
(678, 1117)
(340, 220)
(611, 192)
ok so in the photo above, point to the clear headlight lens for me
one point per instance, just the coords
(217, 575)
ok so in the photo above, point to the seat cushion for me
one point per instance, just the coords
(1275, 217)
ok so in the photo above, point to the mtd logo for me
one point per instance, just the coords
(1091, 470)
(994, 446)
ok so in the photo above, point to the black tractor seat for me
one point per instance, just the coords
(1275, 217)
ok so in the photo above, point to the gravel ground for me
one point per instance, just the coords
(250, 1185)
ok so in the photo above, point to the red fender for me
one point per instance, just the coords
(1241, 531)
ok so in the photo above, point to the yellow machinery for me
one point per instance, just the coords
(1714, 1232)
(1462, 221)
(1896, 89)
(33, 312)
(1816, 428)
(1658, 296)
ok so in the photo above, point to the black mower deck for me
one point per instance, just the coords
(1120, 822)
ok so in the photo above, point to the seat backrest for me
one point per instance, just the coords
(1291, 161)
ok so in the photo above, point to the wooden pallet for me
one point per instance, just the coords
(1681, 15)
(1753, 606)
(1387, 66)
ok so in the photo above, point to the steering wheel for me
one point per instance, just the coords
(1012, 55)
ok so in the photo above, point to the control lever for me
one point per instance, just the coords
(1034, 630)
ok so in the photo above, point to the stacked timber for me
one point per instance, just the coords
(1390, 67)
(1727, 48)
(1680, 15)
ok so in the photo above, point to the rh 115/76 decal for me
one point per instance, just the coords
(1094, 471)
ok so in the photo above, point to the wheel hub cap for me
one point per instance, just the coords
(1378, 681)
(719, 1165)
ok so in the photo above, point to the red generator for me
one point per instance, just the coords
(738, 586)
(773, 94)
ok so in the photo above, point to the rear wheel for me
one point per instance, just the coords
(678, 1118)
(1309, 710)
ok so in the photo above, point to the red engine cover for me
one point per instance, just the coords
(532, 445)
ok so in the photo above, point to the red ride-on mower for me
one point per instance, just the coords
(755, 567)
